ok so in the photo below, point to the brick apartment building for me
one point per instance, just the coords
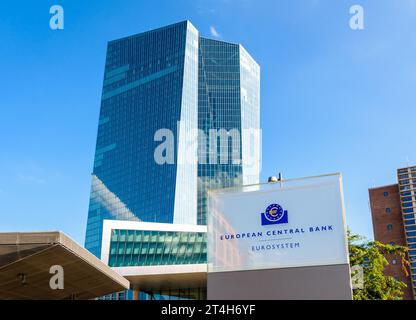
(393, 215)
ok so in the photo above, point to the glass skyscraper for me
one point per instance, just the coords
(150, 83)
(170, 79)
(228, 101)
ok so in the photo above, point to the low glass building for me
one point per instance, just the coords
(161, 260)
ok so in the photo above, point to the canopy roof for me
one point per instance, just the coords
(26, 259)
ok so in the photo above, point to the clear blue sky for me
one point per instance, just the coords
(332, 99)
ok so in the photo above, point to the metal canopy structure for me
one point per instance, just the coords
(26, 259)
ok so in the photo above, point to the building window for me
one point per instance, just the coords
(411, 221)
(403, 182)
(388, 210)
(389, 227)
(386, 194)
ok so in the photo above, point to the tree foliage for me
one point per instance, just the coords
(371, 256)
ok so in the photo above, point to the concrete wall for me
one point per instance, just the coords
(305, 283)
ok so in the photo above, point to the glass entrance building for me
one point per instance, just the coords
(170, 80)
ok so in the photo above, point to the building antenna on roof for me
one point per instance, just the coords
(407, 161)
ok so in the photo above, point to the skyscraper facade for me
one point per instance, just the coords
(407, 185)
(228, 106)
(150, 83)
(170, 80)
(393, 210)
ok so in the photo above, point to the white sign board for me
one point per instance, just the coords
(299, 223)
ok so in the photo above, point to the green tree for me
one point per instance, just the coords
(371, 256)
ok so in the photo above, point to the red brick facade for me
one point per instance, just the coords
(388, 227)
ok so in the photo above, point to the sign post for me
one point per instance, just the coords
(279, 241)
